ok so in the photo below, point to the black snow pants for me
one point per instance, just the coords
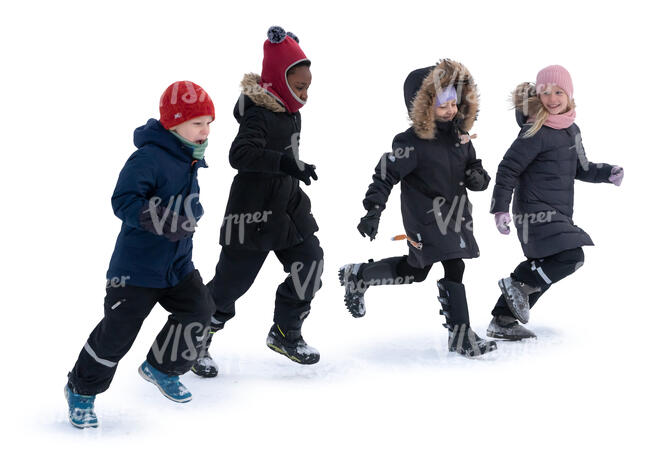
(125, 308)
(542, 273)
(236, 272)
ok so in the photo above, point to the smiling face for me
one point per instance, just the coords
(195, 130)
(299, 79)
(554, 99)
(446, 111)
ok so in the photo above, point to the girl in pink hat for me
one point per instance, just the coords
(540, 168)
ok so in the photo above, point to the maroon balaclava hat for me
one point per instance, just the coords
(281, 52)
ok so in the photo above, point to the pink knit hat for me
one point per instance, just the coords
(555, 75)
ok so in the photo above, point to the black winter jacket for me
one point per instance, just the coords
(431, 164)
(541, 171)
(267, 209)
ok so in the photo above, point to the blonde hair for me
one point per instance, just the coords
(541, 116)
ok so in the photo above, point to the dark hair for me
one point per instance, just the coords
(306, 63)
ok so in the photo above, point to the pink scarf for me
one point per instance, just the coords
(561, 121)
(557, 121)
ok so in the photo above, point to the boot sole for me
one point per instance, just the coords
(203, 374)
(510, 302)
(148, 379)
(347, 299)
(279, 350)
(506, 337)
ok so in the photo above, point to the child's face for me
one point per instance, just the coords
(299, 81)
(447, 111)
(195, 130)
(554, 99)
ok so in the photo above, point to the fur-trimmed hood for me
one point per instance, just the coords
(421, 87)
(251, 88)
(525, 101)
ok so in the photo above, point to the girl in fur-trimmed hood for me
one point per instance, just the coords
(267, 209)
(435, 162)
(540, 168)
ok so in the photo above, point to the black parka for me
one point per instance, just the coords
(541, 171)
(431, 164)
(267, 209)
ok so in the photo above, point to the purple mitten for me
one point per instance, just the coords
(502, 219)
(616, 177)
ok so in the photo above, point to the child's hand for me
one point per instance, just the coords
(465, 138)
(502, 219)
(369, 224)
(616, 176)
(291, 167)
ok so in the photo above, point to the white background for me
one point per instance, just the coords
(78, 78)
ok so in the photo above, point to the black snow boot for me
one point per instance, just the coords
(204, 365)
(462, 338)
(290, 344)
(516, 294)
(357, 278)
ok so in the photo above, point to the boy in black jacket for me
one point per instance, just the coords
(267, 210)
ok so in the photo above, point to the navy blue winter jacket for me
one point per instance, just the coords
(162, 167)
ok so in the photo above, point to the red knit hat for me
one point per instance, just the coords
(281, 52)
(183, 101)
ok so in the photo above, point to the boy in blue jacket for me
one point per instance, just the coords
(156, 197)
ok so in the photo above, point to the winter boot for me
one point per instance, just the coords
(516, 294)
(357, 278)
(81, 409)
(169, 385)
(507, 328)
(204, 365)
(290, 344)
(462, 338)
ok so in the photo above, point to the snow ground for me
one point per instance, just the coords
(82, 76)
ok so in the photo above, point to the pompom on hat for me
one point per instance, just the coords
(554, 75)
(183, 101)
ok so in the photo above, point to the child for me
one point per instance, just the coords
(156, 197)
(541, 166)
(435, 162)
(267, 210)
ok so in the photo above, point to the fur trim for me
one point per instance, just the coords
(250, 86)
(446, 72)
(524, 99)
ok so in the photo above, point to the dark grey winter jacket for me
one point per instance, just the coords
(431, 165)
(541, 170)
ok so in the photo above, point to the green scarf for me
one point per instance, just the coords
(198, 150)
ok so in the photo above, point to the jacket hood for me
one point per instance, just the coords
(253, 94)
(153, 133)
(525, 102)
(420, 90)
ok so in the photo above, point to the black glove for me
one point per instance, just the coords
(172, 226)
(369, 224)
(289, 166)
(476, 179)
